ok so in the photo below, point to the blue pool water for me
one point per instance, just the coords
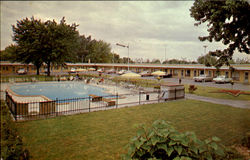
(60, 90)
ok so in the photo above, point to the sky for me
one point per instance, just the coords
(152, 29)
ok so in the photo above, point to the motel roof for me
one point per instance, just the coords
(157, 66)
(167, 66)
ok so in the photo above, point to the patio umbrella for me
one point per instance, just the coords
(80, 70)
(131, 75)
(91, 69)
(158, 73)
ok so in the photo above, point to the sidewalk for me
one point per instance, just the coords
(233, 103)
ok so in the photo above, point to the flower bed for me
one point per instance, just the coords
(234, 93)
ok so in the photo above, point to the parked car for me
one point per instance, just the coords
(21, 71)
(72, 70)
(222, 79)
(100, 70)
(110, 71)
(121, 72)
(166, 76)
(145, 74)
(203, 78)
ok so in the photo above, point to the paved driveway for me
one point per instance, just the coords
(237, 86)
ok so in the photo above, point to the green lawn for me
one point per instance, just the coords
(103, 134)
(208, 92)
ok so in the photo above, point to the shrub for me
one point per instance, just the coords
(11, 143)
(162, 141)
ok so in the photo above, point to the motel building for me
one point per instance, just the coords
(241, 73)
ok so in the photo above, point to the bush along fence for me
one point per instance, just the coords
(30, 110)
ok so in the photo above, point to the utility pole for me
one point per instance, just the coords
(121, 45)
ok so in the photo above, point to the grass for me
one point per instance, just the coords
(103, 134)
(207, 92)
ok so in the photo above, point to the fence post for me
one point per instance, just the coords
(139, 97)
(56, 109)
(116, 100)
(89, 103)
(158, 96)
(175, 93)
(15, 116)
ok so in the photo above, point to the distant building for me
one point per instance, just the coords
(240, 74)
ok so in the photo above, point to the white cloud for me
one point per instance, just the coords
(148, 27)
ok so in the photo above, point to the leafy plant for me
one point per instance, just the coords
(163, 141)
(11, 143)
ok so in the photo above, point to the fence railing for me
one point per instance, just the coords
(44, 109)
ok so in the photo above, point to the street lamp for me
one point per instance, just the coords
(121, 45)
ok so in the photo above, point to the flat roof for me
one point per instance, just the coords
(159, 66)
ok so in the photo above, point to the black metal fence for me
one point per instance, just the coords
(22, 111)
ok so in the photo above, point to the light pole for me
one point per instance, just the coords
(121, 45)
(165, 54)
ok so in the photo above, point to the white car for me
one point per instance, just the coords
(21, 71)
(203, 78)
(222, 79)
(72, 70)
(122, 72)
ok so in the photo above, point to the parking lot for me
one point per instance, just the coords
(236, 86)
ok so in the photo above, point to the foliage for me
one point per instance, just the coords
(208, 60)
(9, 53)
(137, 81)
(11, 143)
(177, 61)
(246, 140)
(156, 61)
(227, 21)
(47, 42)
(162, 141)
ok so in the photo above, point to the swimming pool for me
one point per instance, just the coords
(60, 90)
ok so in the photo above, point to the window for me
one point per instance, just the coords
(246, 76)
(171, 71)
(226, 74)
(236, 76)
(187, 73)
(201, 72)
(13, 69)
(195, 72)
(175, 72)
(209, 73)
(182, 73)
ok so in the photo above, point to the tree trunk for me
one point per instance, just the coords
(37, 70)
(48, 69)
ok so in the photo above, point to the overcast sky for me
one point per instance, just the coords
(149, 28)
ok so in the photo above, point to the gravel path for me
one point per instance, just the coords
(233, 103)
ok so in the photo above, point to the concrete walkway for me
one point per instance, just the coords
(233, 103)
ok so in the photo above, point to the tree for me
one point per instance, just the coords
(156, 61)
(60, 43)
(8, 54)
(27, 35)
(228, 21)
(208, 60)
(47, 42)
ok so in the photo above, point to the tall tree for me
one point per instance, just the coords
(60, 43)
(8, 54)
(99, 52)
(27, 35)
(208, 60)
(227, 21)
(47, 42)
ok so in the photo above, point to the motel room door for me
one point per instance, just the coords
(246, 77)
